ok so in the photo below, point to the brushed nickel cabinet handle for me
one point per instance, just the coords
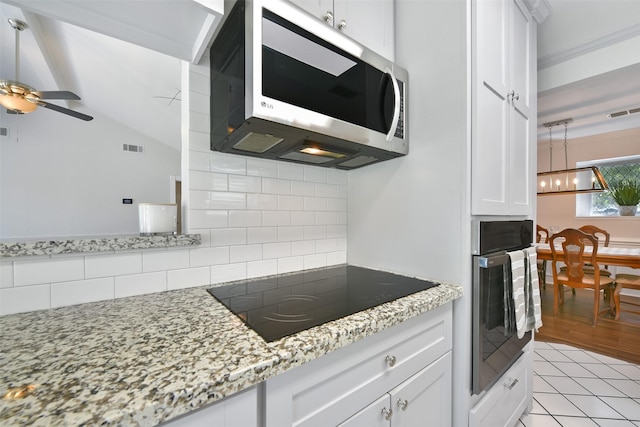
(402, 404)
(387, 413)
(391, 360)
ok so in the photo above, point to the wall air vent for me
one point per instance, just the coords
(623, 113)
(133, 148)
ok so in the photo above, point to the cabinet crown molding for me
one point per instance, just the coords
(539, 9)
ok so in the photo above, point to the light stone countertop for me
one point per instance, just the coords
(142, 360)
(11, 248)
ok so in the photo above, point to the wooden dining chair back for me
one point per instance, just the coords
(577, 248)
(542, 235)
(601, 235)
(625, 281)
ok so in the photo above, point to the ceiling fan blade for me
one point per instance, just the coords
(65, 111)
(56, 94)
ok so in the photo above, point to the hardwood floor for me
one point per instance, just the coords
(619, 339)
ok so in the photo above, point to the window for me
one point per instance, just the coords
(613, 170)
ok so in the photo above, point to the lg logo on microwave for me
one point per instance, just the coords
(266, 105)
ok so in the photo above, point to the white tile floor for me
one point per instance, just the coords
(578, 388)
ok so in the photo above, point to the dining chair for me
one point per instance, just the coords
(572, 253)
(629, 281)
(542, 235)
(600, 234)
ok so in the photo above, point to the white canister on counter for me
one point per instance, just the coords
(157, 218)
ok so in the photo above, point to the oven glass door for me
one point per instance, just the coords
(494, 349)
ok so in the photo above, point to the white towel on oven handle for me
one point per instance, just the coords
(532, 293)
(518, 284)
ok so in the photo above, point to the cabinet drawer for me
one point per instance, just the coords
(330, 389)
(503, 404)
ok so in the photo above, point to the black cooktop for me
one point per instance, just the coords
(283, 305)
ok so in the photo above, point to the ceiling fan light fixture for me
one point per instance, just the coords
(17, 103)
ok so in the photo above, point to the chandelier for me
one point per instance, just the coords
(568, 181)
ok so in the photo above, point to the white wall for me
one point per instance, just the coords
(61, 176)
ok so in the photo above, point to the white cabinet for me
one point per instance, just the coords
(410, 361)
(503, 108)
(507, 400)
(406, 405)
(369, 22)
(238, 410)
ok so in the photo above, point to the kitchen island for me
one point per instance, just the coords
(142, 360)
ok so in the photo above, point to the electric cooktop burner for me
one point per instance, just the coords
(283, 305)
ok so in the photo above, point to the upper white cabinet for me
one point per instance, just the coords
(368, 22)
(503, 108)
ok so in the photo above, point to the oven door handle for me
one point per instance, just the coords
(495, 260)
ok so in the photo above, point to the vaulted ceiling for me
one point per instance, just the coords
(123, 58)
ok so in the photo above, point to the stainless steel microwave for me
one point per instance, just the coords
(286, 86)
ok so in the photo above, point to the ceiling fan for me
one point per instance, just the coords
(19, 98)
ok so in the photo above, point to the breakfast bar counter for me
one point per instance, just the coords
(142, 360)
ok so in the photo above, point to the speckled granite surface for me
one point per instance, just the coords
(142, 360)
(103, 244)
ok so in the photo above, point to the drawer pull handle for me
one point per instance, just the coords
(387, 413)
(513, 383)
(391, 360)
(402, 404)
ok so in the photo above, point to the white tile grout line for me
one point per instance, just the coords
(604, 367)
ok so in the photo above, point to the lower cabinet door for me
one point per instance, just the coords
(425, 398)
(378, 414)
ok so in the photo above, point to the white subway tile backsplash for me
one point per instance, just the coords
(24, 298)
(335, 258)
(315, 174)
(228, 236)
(276, 186)
(290, 203)
(315, 232)
(336, 205)
(341, 218)
(205, 236)
(165, 260)
(262, 167)
(303, 248)
(326, 245)
(290, 171)
(342, 192)
(228, 272)
(341, 244)
(199, 141)
(199, 199)
(276, 218)
(113, 265)
(276, 250)
(265, 202)
(303, 218)
(290, 234)
(82, 291)
(336, 231)
(140, 284)
(325, 218)
(208, 256)
(262, 235)
(221, 200)
(198, 160)
(315, 261)
(245, 253)
(245, 219)
(290, 264)
(188, 278)
(209, 181)
(335, 176)
(48, 270)
(315, 203)
(262, 268)
(245, 184)
(299, 188)
(6, 274)
(326, 190)
(228, 163)
(199, 218)
(199, 122)
(199, 81)
(199, 102)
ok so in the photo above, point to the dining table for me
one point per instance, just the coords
(607, 255)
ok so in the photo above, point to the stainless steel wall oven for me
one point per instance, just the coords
(494, 347)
